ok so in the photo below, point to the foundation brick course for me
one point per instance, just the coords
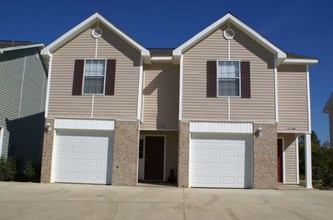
(125, 153)
(265, 157)
(183, 154)
(47, 153)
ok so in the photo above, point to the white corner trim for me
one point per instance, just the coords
(84, 124)
(140, 88)
(1, 138)
(169, 58)
(309, 98)
(299, 61)
(308, 162)
(276, 90)
(20, 47)
(48, 88)
(229, 17)
(180, 117)
(297, 161)
(222, 127)
(85, 24)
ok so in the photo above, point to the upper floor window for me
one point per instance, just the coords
(94, 76)
(228, 78)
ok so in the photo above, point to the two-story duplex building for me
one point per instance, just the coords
(224, 109)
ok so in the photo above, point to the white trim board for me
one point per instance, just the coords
(83, 124)
(222, 127)
(1, 139)
(21, 47)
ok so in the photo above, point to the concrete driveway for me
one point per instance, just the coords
(73, 201)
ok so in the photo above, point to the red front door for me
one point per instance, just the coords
(154, 158)
(280, 160)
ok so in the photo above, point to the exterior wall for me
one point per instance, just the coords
(125, 153)
(290, 158)
(196, 105)
(171, 150)
(22, 96)
(293, 100)
(264, 157)
(160, 95)
(183, 154)
(47, 153)
(121, 106)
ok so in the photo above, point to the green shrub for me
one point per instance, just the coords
(29, 170)
(7, 169)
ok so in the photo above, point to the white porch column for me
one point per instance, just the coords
(308, 162)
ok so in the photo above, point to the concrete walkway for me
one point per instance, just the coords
(74, 201)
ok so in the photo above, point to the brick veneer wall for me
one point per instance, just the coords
(183, 154)
(47, 153)
(125, 153)
(265, 157)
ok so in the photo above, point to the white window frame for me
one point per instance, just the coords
(217, 78)
(83, 78)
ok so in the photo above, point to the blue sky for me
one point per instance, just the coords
(300, 26)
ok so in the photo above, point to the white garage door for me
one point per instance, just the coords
(220, 161)
(83, 157)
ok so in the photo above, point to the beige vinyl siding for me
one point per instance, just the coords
(293, 101)
(261, 105)
(290, 157)
(121, 106)
(171, 150)
(161, 95)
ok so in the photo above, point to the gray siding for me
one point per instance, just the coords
(293, 100)
(260, 107)
(22, 103)
(161, 95)
(121, 106)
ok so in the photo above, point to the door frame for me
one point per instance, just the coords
(143, 136)
(283, 159)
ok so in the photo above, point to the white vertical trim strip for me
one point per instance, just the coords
(139, 115)
(276, 90)
(229, 108)
(22, 83)
(1, 139)
(48, 88)
(309, 99)
(181, 88)
(283, 160)
(92, 106)
(96, 48)
(297, 160)
(229, 50)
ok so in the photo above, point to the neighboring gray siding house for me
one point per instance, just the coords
(224, 109)
(329, 109)
(23, 82)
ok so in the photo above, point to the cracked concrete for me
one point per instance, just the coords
(75, 201)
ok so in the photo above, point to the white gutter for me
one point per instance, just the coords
(299, 61)
(20, 47)
(169, 58)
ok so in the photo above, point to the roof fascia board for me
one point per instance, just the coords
(85, 24)
(168, 58)
(21, 47)
(253, 34)
(299, 61)
(328, 104)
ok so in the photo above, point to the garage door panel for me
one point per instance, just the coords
(83, 157)
(220, 160)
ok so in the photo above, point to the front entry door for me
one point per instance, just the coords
(154, 158)
(280, 160)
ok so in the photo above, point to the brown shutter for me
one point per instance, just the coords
(211, 78)
(78, 77)
(110, 77)
(246, 80)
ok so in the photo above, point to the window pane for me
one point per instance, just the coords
(228, 87)
(94, 76)
(228, 69)
(93, 85)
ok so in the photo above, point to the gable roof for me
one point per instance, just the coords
(9, 45)
(329, 104)
(83, 26)
(282, 56)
